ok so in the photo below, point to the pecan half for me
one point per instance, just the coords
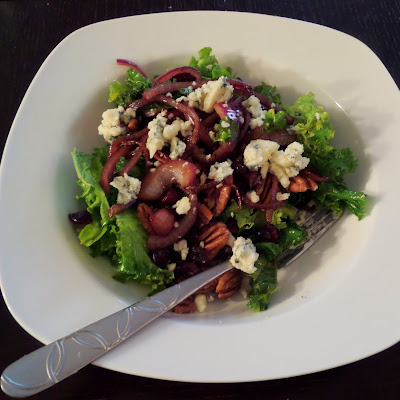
(214, 238)
(209, 287)
(229, 283)
(204, 214)
(186, 306)
(299, 184)
(223, 195)
(144, 213)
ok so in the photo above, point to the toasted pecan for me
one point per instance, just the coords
(213, 237)
(186, 306)
(229, 283)
(223, 195)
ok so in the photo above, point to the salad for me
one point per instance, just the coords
(199, 167)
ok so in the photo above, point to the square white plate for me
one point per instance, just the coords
(337, 304)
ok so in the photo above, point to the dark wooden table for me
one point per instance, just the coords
(29, 30)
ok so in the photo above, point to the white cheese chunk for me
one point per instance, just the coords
(110, 126)
(177, 148)
(212, 92)
(171, 267)
(258, 153)
(244, 255)
(128, 188)
(155, 140)
(253, 105)
(253, 196)
(284, 164)
(201, 302)
(220, 171)
(182, 248)
(161, 134)
(182, 206)
(282, 196)
(287, 164)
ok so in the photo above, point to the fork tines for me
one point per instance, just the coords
(316, 223)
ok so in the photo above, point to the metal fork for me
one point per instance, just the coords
(50, 364)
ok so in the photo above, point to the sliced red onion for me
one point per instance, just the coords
(241, 87)
(131, 64)
(195, 73)
(189, 113)
(205, 137)
(116, 209)
(155, 242)
(127, 140)
(132, 161)
(107, 173)
(209, 122)
(169, 87)
(179, 172)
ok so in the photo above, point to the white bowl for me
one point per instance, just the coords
(336, 304)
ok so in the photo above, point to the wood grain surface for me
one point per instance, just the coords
(29, 30)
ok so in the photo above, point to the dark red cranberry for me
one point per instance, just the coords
(171, 197)
(267, 234)
(162, 257)
(197, 253)
(185, 270)
(80, 218)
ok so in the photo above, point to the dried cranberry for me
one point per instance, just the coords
(267, 234)
(185, 270)
(171, 197)
(198, 253)
(225, 253)
(80, 218)
(162, 257)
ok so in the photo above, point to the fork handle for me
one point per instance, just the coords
(51, 364)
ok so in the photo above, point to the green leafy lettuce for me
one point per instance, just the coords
(315, 131)
(208, 65)
(283, 214)
(122, 238)
(269, 92)
(275, 121)
(264, 282)
(228, 129)
(132, 254)
(125, 93)
(246, 217)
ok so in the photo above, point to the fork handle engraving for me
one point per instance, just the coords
(50, 364)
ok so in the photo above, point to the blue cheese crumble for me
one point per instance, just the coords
(253, 105)
(244, 255)
(264, 155)
(220, 171)
(182, 206)
(128, 188)
(113, 120)
(209, 94)
(182, 248)
(161, 134)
